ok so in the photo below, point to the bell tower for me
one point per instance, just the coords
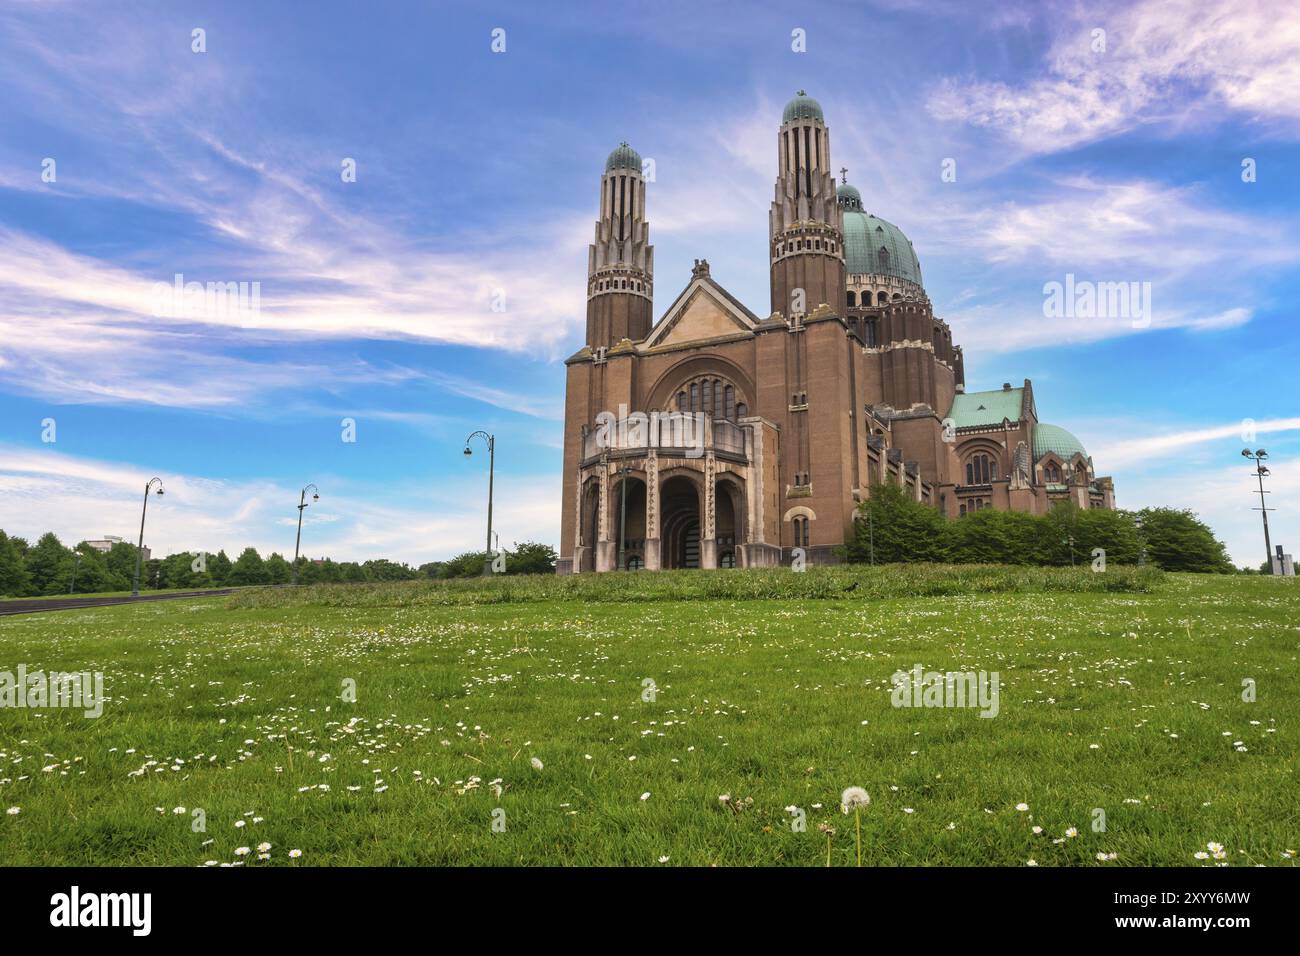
(620, 262)
(805, 224)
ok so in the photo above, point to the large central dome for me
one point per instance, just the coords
(874, 246)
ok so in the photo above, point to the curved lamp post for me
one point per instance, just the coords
(492, 458)
(302, 503)
(1261, 472)
(139, 551)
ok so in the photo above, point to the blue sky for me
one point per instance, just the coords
(476, 182)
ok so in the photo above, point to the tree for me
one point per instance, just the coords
(996, 537)
(898, 528)
(1180, 541)
(14, 579)
(467, 565)
(50, 565)
(278, 570)
(92, 574)
(248, 569)
(531, 557)
(219, 568)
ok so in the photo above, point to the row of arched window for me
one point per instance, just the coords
(881, 298)
(807, 245)
(973, 505)
(620, 285)
(712, 396)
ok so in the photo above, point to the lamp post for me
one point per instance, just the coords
(1261, 472)
(139, 551)
(302, 504)
(492, 459)
(76, 563)
(1142, 541)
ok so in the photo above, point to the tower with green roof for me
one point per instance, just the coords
(620, 260)
(805, 227)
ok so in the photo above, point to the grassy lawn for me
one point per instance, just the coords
(1119, 691)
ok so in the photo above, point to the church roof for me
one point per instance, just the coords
(988, 408)
(875, 246)
(623, 157)
(1054, 438)
(802, 106)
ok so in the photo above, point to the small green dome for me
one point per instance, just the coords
(624, 157)
(873, 246)
(802, 106)
(849, 197)
(1054, 438)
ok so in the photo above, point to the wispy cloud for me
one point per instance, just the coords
(1171, 60)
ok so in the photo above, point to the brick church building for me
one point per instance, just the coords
(738, 438)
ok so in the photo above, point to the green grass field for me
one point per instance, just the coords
(1119, 691)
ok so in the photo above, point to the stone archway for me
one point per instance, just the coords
(635, 541)
(680, 525)
(729, 507)
(588, 527)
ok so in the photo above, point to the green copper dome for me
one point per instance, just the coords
(624, 157)
(802, 106)
(873, 246)
(1056, 439)
(849, 197)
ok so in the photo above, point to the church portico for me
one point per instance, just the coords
(682, 510)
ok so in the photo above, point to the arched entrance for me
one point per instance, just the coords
(680, 504)
(729, 511)
(589, 527)
(633, 538)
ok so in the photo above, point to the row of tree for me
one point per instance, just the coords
(49, 567)
(895, 527)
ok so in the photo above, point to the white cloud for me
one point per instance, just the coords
(1178, 60)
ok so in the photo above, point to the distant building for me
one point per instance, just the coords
(105, 544)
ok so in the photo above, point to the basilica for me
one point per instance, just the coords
(754, 436)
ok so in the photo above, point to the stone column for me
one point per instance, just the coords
(708, 524)
(653, 559)
(605, 554)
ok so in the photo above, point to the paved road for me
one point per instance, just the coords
(32, 605)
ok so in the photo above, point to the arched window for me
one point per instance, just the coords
(853, 300)
(715, 397)
(979, 470)
(800, 524)
(1052, 474)
(882, 298)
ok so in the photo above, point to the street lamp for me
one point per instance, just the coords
(492, 458)
(139, 551)
(76, 563)
(1261, 472)
(1142, 541)
(302, 503)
